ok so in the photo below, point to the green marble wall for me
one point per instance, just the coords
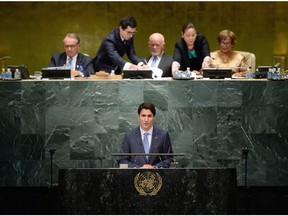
(32, 31)
(85, 121)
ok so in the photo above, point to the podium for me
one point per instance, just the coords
(147, 191)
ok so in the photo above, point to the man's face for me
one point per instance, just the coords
(127, 33)
(71, 46)
(146, 119)
(156, 46)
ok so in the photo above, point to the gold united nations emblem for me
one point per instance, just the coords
(148, 183)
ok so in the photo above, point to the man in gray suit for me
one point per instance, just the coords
(158, 141)
(158, 60)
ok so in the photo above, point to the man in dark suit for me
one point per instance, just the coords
(158, 59)
(80, 64)
(158, 141)
(115, 45)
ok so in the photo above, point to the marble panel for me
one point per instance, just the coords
(85, 121)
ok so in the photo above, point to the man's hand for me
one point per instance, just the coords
(147, 166)
(137, 67)
(75, 73)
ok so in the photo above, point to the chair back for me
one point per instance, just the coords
(251, 59)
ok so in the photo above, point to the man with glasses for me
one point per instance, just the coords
(115, 45)
(81, 65)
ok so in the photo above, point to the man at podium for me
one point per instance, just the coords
(148, 143)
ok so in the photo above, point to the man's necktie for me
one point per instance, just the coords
(69, 64)
(155, 59)
(146, 143)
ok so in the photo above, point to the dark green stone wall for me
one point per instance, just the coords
(85, 122)
(32, 31)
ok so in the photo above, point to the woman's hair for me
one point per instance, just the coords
(187, 26)
(227, 34)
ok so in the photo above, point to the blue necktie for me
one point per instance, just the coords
(69, 64)
(154, 61)
(146, 143)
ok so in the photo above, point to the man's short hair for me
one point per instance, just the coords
(72, 35)
(147, 105)
(128, 21)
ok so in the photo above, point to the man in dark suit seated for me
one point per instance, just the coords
(159, 61)
(115, 45)
(80, 64)
(146, 139)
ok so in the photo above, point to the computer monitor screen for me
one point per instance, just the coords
(137, 74)
(217, 73)
(58, 73)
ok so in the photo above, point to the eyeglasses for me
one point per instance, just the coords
(130, 33)
(222, 43)
(70, 46)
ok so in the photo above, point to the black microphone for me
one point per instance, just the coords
(136, 157)
(159, 156)
(245, 153)
(246, 135)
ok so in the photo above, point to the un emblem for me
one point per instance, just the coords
(148, 183)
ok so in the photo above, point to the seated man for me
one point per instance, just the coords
(115, 45)
(159, 61)
(80, 64)
(146, 139)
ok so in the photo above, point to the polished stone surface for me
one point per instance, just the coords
(84, 121)
(113, 191)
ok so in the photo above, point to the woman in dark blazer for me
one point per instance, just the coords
(191, 51)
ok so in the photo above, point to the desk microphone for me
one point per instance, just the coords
(3, 58)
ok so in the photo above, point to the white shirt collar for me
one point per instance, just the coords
(73, 58)
(149, 131)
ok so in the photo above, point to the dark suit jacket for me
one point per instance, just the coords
(164, 64)
(201, 47)
(160, 143)
(111, 51)
(59, 59)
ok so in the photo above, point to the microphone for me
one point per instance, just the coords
(136, 157)
(159, 156)
(245, 153)
(246, 135)
(2, 60)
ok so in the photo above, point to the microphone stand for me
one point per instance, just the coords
(3, 60)
(51, 151)
(245, 152)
